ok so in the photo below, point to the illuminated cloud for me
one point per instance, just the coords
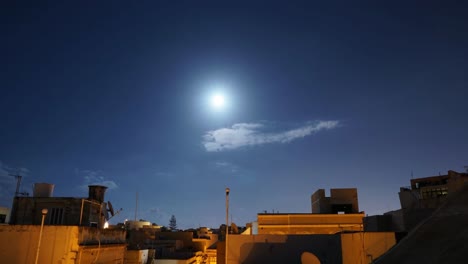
(91, 177)
(251, 134)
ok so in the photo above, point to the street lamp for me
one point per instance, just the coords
(44, 213)
(227, 224)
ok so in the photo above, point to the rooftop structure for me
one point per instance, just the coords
(309, 223)
(78, 211)
(342, 200)
(430, 192)
(330, 215)
(440, 238)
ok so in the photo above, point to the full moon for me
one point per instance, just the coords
(218, 101)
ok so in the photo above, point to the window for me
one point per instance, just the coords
(2, 218)
(56, 216)
(434, 192)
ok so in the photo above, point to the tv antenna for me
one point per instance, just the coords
(18, 184)
(110, 209)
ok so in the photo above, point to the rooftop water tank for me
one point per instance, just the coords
(96, 192)
(43, 190)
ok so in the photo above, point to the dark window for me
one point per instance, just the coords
(342, 208)
(56, 216)
(2, 218)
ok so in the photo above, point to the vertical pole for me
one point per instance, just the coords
(18, 184)
(81, 213)
(227, 225)
(136, 206)
(100, 224)
(44, 213)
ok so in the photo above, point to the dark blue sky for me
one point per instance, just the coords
(342, 95)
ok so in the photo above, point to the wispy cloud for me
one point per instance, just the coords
(226, 166)
(251, 134)
(95, 177)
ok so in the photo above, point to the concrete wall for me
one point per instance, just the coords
(104, 254)
(136, 256)
(175, 261)
(201, 244)
(345, 196)
(94, 236)
(320, 203)
(365, 247)
(409, 199)
(185, 237)
(272, 249)
(309, 223)
(349, 248)
(398, 223)
(196, 259)
(19, 244)
(378, 223)
(59, 244)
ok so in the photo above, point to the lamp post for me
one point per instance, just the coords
(44, 213)
(227, 224)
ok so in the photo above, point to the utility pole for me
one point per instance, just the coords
(136, 205)
(227, 225)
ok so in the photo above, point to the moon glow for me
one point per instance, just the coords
(218, 101)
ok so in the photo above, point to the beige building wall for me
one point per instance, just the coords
(196, 259)
(365, 247)
(59, 244)
(136, 256)
(104, 254)
(349, 248)
(174, 261)
(279, 249)
(282, 224)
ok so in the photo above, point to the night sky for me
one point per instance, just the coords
(317, 96)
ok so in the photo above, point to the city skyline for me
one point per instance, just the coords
(316, 96)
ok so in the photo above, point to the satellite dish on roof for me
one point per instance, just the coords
(110, 208)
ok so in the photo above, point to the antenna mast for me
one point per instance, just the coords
(18, 184)
(136, 206)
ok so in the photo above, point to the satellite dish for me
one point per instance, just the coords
(111, 208)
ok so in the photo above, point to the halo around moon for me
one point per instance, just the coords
(218, 101)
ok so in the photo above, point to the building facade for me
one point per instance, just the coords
(309, 223)
(346, 248)
(61, 244)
